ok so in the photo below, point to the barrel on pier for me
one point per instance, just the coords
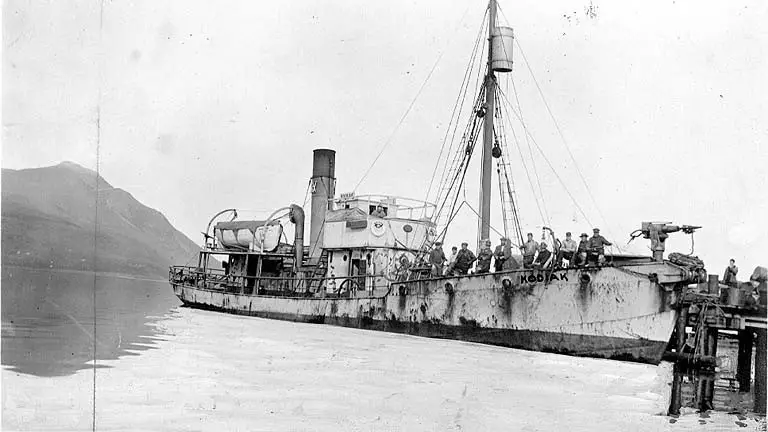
(502, 39)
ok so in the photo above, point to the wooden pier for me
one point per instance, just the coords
(706, 310)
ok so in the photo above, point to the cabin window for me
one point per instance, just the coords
(372, 208)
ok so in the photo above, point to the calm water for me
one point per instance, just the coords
(48, 318)
(164, 367)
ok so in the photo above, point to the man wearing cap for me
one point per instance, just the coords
(529, 249)
(544, 257)
(581, 251)
(484, 257)
(597, 245)
(568, 250)
(500, 255)
(436, 259)
(464, 259)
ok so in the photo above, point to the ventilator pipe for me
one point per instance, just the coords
(297, 217)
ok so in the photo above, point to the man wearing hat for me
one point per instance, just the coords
(581, 251)
(597, 245)
(529, 249)
(568, 250)
(464, 259)
(484, 257)
(436, 259)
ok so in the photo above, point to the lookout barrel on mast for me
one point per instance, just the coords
(501, 46)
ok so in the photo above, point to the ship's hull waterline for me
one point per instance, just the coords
(609, 312)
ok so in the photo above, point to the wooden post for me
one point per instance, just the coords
(760, 377)
(677, 382)
(707, 387)
(744, 366)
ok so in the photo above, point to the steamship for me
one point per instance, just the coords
(366, 270)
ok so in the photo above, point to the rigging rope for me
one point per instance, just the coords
(562, 183)
(463, 90)
(533, 161)
(413, 102)
(562, 137)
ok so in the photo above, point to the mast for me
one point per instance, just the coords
(487, 165)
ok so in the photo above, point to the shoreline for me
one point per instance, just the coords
(96, 273)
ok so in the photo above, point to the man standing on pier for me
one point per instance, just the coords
(729, 278)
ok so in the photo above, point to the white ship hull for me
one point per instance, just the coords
(609, 312)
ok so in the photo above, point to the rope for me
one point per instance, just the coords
(527, 173)
(533, 161)
(454, 114)
(562, 137)
(408, 110)
(525, 128)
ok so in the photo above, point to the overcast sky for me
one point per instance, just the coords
(208, 105)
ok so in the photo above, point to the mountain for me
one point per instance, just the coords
(50, 220)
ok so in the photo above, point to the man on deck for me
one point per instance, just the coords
(436, 259)
(544, 257)
(500, 255)
(484, 257)
(451, 261)
(464, 259)
(582, 250)
(529, 249)
(567, 251)
(597, 245)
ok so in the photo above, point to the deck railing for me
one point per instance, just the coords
(218, 279)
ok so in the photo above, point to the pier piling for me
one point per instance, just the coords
(760, 377)
(677, 382)
(744, 362)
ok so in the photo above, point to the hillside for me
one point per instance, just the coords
(49, 220)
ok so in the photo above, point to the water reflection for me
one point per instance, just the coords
(48, 318)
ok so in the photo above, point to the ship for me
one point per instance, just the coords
(366, 263)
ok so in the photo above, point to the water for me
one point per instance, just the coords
(48, 318)
(165, 367)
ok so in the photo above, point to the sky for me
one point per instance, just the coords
(203, 106)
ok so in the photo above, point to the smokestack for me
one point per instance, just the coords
(323, 186)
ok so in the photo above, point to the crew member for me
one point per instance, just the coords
(437, 259)
(451, 261)
(729, 278)
(582, 250)
(567, 251)
(499, 255)
(597, 245)
(543, 258)
(529, 251)
(464, 260)
(484, 257)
